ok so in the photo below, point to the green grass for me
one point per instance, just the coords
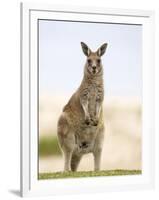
(118, 172)
(48, 145)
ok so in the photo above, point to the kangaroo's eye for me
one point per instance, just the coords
(89, 61)
(98, 61)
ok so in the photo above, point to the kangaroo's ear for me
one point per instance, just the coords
(102, 49)
(85, 49)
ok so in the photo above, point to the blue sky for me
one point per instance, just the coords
(61, 60)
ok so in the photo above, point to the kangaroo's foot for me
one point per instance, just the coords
(75, 162)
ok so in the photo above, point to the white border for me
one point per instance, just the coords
(30, 186)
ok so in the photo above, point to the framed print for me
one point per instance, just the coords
(87, 99)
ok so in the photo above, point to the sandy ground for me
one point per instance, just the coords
(122, 144)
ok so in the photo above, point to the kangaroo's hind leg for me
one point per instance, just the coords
(97, 159)
(75, 160)
(66, 140)
(98, 149)
(68, 147)
(67, 159)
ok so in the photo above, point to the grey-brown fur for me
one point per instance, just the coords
(81, 126)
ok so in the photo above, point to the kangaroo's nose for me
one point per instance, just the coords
(94, 67)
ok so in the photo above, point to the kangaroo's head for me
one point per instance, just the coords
(93, 64)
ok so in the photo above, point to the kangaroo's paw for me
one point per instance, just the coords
(87, 121)
(94, 121)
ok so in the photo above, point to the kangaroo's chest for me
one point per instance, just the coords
(95, 94)
(92, 93)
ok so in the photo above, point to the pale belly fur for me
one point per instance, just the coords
(88, 136)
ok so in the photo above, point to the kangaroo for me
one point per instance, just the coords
(81, 125)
